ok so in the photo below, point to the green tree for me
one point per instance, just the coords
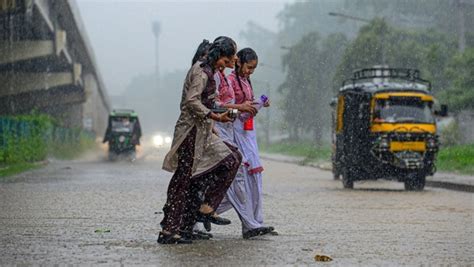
(381, 44)
(450, 17)
(302, 17)
(310, 65)
(460, 71)
(420, 34)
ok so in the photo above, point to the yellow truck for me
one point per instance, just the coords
(384, 128)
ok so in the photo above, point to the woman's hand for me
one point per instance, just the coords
(266, 104)
(247, 107)
(222, 117)
(214, 131)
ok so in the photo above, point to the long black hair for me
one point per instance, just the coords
(201, 51)
(245, 55)
(222, 46)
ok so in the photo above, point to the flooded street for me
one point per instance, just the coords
(97, 212)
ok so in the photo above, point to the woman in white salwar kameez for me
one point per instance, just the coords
(245, 193)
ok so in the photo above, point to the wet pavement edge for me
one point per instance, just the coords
(430, 181)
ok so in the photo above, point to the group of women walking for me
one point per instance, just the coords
(214, 156)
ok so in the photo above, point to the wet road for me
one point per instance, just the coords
(51, 215)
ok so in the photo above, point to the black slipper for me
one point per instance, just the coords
(194, 235)
(257, 232)
(212, 218)
(172, 239)
(203, 233)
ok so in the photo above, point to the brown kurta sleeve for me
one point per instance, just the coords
(192, 99)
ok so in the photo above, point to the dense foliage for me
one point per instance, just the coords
(381, 44)
(310, 66)
(402, 34)
(460, 71)
(30, 138)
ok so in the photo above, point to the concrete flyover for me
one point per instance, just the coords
(47, 64)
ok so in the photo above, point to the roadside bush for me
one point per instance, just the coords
(450, 134)
(24, 138)
(31, 138)
(457, 159)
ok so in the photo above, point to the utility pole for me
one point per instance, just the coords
(156, 28)
(461, 25)
(335, 14)
(267, 117)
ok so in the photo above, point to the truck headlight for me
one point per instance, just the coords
(384, 143)
(158, 140)
(431, 143)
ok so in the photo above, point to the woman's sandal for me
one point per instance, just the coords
(212, 218)
(203, 233)
(164, 238)
(195, 235)
(257, 232)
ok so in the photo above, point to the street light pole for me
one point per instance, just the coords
(156, 28)
(348, 17)
(267, 117)
(461, 26)
(266, 123)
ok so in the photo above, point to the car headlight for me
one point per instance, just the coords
(384, 143)
(158, 140)
(431, 143)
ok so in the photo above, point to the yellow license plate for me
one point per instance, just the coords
(414, 146)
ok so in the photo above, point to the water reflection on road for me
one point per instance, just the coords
(51, 215)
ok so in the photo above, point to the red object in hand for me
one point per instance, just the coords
(248, 124)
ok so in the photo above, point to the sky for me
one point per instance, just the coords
(121, 34)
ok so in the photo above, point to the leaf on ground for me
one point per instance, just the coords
(320, 257)
(100, 230)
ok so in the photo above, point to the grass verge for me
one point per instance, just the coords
(458, 159)
(15, 168)
(309, 151)
(72, 150)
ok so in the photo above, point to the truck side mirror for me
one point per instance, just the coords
(443, 112)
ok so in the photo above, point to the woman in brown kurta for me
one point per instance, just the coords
(201, 161)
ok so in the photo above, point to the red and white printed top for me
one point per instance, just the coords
(224, 90)
(244, 93)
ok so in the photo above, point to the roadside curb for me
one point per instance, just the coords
(456, 186)
(450, 186)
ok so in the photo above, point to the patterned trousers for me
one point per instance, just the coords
(186, 193)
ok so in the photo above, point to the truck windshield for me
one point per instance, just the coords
(122, 125)
(403, 110)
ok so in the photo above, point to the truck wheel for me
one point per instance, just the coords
(335, 173)
(415, 182)
(112, 156)
(132, 156)
(348, 179)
